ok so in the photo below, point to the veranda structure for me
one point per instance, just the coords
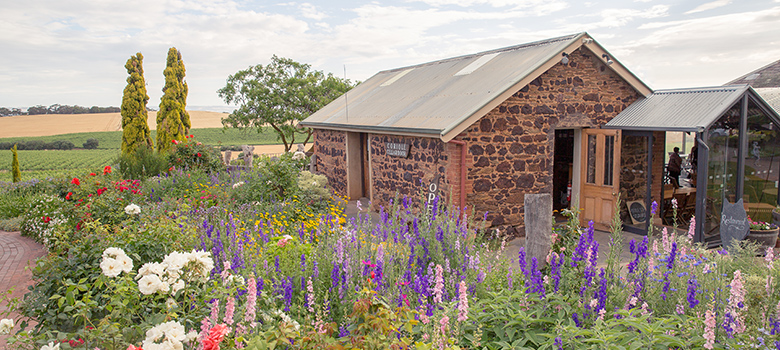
(738, 139)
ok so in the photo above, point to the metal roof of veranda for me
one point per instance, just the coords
(685, 110)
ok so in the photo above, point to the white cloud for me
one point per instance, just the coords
(705, 51)
(709, 6)
(310, 11)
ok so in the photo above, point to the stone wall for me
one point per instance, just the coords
(330, 147)
(511, 148)
(427, 158)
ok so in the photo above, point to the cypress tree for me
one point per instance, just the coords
(17, 174)
(173, 121)
(135, 130)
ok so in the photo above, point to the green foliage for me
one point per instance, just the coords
(16, 175)
(113, 139)
(38, 145)
(57, 159)
(192, 154)
(143, 163)
(135, 129)
(91, 143)
(279, 95)
(173, 121)
(43, 216)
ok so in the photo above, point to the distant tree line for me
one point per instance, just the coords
(57, 109)
(42, 145)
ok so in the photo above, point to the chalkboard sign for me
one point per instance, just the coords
(637, 211)
(733, 223)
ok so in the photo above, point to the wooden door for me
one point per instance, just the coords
(600, 178)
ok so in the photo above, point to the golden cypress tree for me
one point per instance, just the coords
(173, 121)
(135, 129)
(16, 173)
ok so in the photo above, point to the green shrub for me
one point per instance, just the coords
(191, 154)
(143, 163)
(91, 144)
(10, 225)
(16, 174)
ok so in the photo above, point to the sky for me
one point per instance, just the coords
(73, 51)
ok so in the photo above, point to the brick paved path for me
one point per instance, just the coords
(16, 252)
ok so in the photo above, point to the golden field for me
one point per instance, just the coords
(55, 124)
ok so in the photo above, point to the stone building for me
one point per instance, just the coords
(484, 130)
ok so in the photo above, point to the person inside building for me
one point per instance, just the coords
(675, 167)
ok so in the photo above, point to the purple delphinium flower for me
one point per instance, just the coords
(556, 262)
(523, 266)
(576, 320)
(335, 278)
(287, 286)
(672, 255)
(693, 285)
(601, 292)
(585, 242)
(654, 208)
(536, 280)
(559, 343)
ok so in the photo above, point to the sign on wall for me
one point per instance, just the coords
(396, 149)
(433, 191)
(734, 224)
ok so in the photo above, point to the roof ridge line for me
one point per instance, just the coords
(499, 50)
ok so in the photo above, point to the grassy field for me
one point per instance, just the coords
(209, 136)
(55, 124)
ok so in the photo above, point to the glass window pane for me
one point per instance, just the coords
(761, 164)
(723, 140)
(609, 159)
(591, 175)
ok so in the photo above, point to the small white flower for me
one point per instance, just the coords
(176, 287)
(125, 263)
(192, 335)
(51, 346)
(132, 209)
(113, 252)
(111, 267)
(6, 325)
(298, 155)
(238, 184)
(150, 284)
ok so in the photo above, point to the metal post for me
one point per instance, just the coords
(701, 187)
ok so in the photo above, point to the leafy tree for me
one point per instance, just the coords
(16, 173)
(173, 121)
(279, 95)
(135, 130)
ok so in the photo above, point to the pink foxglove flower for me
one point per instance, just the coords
(230, 309)
(709, 329)
(438, 285)
(463, 302)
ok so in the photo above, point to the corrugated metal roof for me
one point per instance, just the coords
(691, 109)
(434, 98)
(771, 96)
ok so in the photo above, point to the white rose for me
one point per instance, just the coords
(150, 284)
(298, 155)
(6, 325)
(176, 287)
(125, 263)
(191, 335)
(51, 346)
(238, 184)
(113, 252)
(111, 267)
(132, 209)
(151, 268)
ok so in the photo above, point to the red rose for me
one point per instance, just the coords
(92, 174)
(107, 170)
(198, 154)
(46, 219)
(216, 335)
(75, 181)
(68, 196)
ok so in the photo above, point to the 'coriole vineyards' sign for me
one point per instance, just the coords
(395, 149)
